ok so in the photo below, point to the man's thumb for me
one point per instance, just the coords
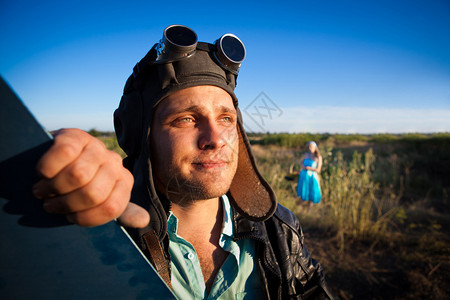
(134, 216)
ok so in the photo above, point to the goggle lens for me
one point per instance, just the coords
(180, 36)
(179, 42)
(233, 48)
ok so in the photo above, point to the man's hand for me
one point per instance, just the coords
(86, 182)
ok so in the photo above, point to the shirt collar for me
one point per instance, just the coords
(227, 225)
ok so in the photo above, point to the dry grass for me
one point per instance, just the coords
(376, 231)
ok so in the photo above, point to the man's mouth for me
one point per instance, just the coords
(210, 164)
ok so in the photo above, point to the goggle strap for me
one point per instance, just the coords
(205, 46)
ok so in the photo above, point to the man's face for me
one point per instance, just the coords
(194, 144)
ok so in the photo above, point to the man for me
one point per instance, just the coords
(200, 210)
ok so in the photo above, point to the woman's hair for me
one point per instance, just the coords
(316, 152)
(316, 149)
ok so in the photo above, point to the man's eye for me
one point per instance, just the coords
(186, 120)
(183, 121)
(227, 119)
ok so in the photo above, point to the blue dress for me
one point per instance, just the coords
(308, 187)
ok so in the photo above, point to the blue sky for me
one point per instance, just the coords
(311, 66)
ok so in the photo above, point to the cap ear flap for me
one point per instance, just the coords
(128, 118)
(252, 195)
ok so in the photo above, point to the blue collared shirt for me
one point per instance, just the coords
(238, 278)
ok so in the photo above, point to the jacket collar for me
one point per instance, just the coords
(245, 228)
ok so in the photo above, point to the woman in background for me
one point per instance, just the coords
(308, 188)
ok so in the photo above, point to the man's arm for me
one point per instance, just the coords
(86, 182)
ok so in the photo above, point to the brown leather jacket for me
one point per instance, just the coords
(286, 267)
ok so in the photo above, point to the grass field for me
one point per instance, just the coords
(382, 229)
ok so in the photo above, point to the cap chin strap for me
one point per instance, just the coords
(157, 257)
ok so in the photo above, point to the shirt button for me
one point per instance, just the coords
(190, 256)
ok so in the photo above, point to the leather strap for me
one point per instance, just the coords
(157, 257)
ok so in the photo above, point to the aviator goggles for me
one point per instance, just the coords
(179, 42)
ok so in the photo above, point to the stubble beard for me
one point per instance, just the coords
(185, 191)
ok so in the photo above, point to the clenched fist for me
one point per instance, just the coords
(86, 182)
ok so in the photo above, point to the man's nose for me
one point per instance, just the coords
(211, 136)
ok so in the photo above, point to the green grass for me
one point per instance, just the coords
(298, 140)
